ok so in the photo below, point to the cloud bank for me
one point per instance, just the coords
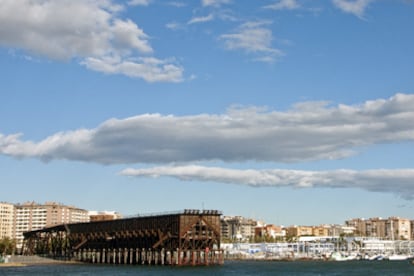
(87, 30)
(308, 131)
(399, 182)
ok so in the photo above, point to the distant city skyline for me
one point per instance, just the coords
(114, 214)
(280, 110)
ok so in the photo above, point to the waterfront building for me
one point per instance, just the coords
(336, 230)
(412, 229)
(391, 228)
(33, 216)
(103, 215)
(320, 231)
(299, 231)
(397, 228)
(270, 231)
(237, 228)
(6, 220)
(359, 225)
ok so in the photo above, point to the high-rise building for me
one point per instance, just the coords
(33, 216)
(393, 228)
(237, 228)
(397, 228)
(6, 220)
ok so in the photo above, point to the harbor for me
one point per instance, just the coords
(328, 249)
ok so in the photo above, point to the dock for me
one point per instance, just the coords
(189, 237)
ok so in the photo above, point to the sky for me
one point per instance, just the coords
(287, 111)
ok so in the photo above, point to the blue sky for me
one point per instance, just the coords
(289, 111)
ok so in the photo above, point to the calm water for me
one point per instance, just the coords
(380, 268)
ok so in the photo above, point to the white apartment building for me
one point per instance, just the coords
(33, 216)
(6, 220)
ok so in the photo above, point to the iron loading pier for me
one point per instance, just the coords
(189, 237)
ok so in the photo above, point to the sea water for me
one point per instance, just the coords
(257, 268)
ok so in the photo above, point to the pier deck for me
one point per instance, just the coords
(190, 237)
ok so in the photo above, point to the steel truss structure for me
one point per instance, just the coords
(190, 237)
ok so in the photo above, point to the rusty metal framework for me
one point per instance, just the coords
(190, 237)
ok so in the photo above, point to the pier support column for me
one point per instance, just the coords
(193, 257)
(136, 255)
(207, 253)
(149, 256)
(156, 256)
(90, 255)
(175, 257)
(131, 256)
(179, 257)
(168, 257)
(143, 256)
(162, 256)
(125, 253)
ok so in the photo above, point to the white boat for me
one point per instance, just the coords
(398, 257)
(395, 256)
(373, 257)
(337, 256)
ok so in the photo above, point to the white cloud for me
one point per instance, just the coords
(399, 181)
(253, 38)
(214, 3)
(139, 2)
(284, 5)
(149, 69)
(309, 131)
(356, 7)
(127, 35)
(72, 29)
(77, 28)
(201, 19)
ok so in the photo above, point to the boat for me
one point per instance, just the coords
(337, 256)
(396, 256)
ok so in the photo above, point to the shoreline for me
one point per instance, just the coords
(12, 265)
(52, 262)
(22, 261)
